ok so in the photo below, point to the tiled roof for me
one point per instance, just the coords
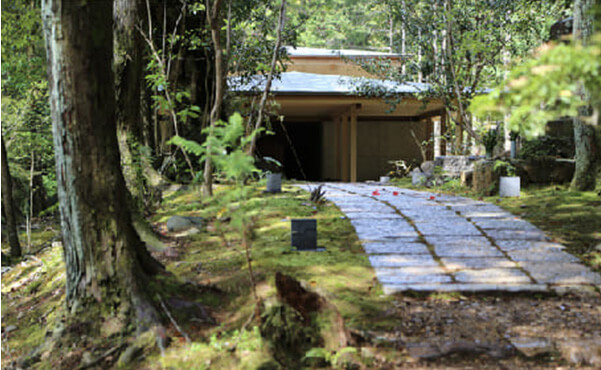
(348, 53)
(301, 83)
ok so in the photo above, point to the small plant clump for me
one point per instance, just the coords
(318, 195)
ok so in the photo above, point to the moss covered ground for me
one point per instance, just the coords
(209, 297)
(209, 277)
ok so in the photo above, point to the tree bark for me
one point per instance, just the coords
(106, 264)
(588, 158)
(214, 21)
(140, 176)
(9, 206)
(274, 59)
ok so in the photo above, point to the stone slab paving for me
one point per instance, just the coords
(427, 242)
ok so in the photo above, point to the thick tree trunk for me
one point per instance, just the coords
(106, 263)
(139, 175)
(588, 158)
(9, 206)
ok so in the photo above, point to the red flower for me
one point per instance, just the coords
(375, 192)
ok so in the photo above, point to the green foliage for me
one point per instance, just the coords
(459, 47)
(545, 87)
(547, 146)
(336, 358)
(337, 24)
(189, 146)
(504, 166)
(23, 51)
(489, 139)
(25, 104)
(27, 132)
(224, 145)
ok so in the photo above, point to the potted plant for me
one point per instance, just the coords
(509, 184)
(489, 139)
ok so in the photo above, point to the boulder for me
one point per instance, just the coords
(454, 165)
(420, 178)
(179, 223)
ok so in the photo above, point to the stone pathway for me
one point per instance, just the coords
(424, 242)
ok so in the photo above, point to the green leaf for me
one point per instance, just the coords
(189, 146)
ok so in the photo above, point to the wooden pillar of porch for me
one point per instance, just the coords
(344, 147)
(443, 133)
(337, 146)
(353, 143)
(429, 135)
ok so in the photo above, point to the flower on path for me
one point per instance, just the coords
(395, 193)
(375, 192)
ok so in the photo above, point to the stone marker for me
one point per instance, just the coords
(303, 234)
(274, 183)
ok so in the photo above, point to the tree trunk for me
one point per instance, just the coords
(213, 19)
(9, 206)
(106, 264)
(588, 158)
(274, 59)
(140, 176)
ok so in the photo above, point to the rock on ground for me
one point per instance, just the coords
(179, 223)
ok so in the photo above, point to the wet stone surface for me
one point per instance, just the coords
(423, 241)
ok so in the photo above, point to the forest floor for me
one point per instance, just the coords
(209, 278)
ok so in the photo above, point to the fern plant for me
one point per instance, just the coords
(225, 145)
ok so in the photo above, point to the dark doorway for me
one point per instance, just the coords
(298, 148)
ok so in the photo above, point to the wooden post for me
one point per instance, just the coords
(345, 141)
(337, 148)
(437, 122)
(429, 133)
(443, 132)
(353, 143)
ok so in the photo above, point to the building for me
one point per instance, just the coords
(333, 130)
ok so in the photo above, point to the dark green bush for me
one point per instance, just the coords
(547, 146)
